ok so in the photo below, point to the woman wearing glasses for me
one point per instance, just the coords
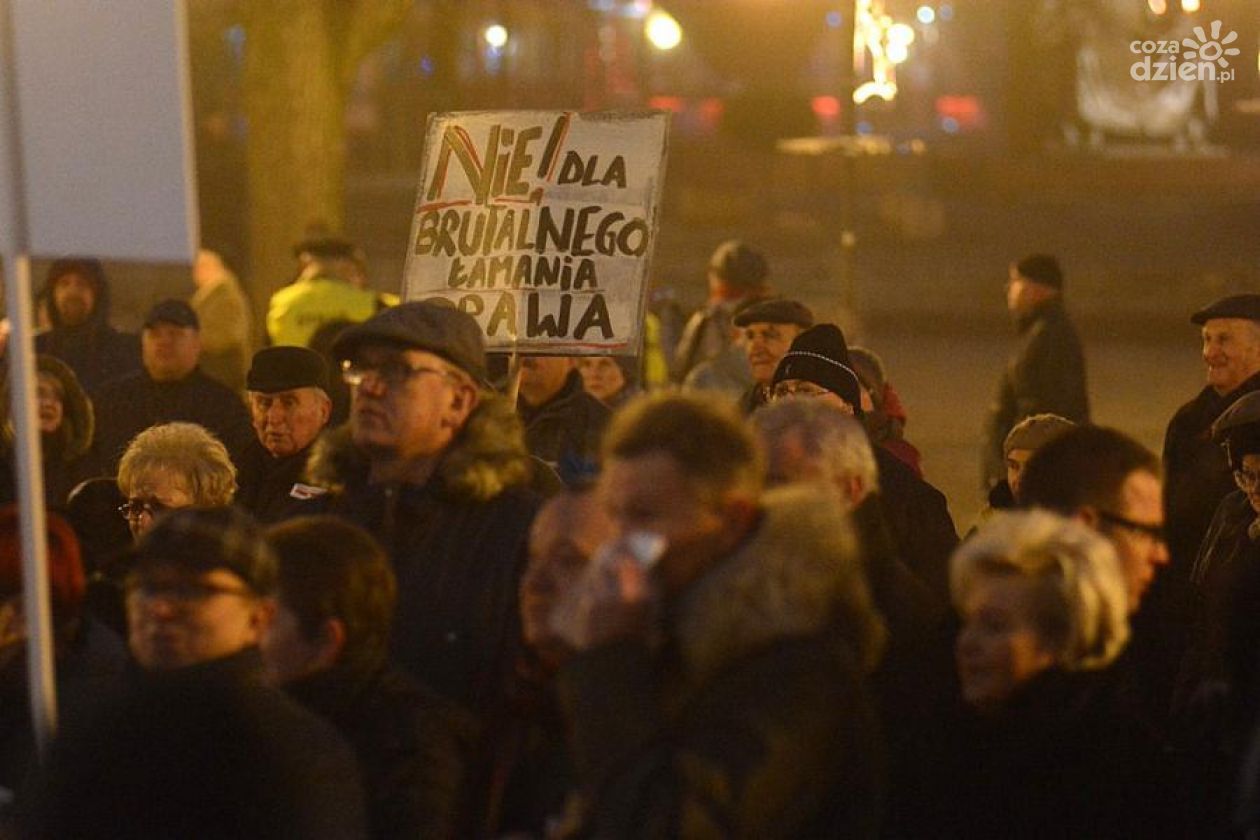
(173, 465)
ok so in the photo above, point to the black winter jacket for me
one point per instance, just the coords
(1045, 374)
(203, 751)
(129, 406)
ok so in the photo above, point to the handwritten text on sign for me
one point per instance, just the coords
(541, 225)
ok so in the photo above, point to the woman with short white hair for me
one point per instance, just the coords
(1035, 591)
(1044, 741)
(173, 465)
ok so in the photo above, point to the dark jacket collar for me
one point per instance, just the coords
(243, 668)
(571, 390)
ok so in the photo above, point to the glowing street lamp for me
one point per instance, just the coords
(663, 32)
(496, 36)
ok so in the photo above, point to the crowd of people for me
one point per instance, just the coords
(344, 586)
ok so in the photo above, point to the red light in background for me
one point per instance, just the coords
(966, 110)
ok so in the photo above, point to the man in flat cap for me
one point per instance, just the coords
(1197, 474)
(325, 290)
(434, 465)
(290, 406)
(736, 273)
(194, 743)
(766, 330)
(1047, 372)
(170, 387)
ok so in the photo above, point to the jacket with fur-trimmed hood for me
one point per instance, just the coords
(67, 451)
(750, 719)
(94, 350)
(457, 544)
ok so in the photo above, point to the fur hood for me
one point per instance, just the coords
(486, 458)
(799, 572)
(78, 421)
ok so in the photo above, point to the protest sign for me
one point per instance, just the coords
(541, 225)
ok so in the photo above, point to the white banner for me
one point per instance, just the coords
(541, 224)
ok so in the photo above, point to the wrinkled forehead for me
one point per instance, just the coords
(1232, 327)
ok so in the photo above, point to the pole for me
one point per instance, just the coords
(29, 467)
(848, 152)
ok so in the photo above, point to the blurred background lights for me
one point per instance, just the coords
(926, 15)
(1157, 7)
(496, 36)
(662, 30)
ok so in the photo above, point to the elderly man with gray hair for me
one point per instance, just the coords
(810, 440)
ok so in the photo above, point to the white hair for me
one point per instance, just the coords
(1082, 607)
(832, 439)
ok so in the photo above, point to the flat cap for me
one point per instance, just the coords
(1234, 306)
(774, 311)
(434, 325)
(1041, 268)
(284, 368)
(172, 311)
(204, 539)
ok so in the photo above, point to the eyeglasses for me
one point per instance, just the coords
(136, 507)
(1246, 480)
(797, 389)
(393, 373)
(182, 591)
(1154, 532)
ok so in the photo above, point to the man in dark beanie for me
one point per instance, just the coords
(196, 744)
(736, 273)
(78, 306)
(817, 366)
(1047, 372)
(289, 405)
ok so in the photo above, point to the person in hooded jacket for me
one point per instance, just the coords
(81, 336)
(67, 425)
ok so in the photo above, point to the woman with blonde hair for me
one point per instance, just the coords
(1044, 742)
(173, 465)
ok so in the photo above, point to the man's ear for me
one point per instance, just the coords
(332, 641)
(325, 410)
(263, 615)
(464, 398)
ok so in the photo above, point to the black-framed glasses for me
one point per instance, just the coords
(184, 591)
(138, 506)
(1246, 480)
(392, 373)
(1154, 532)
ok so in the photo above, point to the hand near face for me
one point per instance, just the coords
(614, 600)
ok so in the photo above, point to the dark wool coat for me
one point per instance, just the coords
(129, 406)
(265, 483)
(457, 544)
(1196, 473)
(95, 351)
(412, 746)
(1045, 374)
(751, 719)
(567, 427)
(200, 752)
(918, 518)
(1064, 758)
